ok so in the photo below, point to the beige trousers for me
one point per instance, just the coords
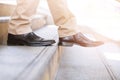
(20, 22)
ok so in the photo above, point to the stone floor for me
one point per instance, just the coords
(100, 63)
(30, 62)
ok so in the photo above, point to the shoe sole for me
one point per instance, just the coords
(65, 43)
(23, 43)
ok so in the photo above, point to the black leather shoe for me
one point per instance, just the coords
(29, 39)
(78, 39)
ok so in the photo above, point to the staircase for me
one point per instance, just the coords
(28, 63)
(31, 63)
(98, 63)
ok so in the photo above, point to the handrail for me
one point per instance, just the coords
(4, 19)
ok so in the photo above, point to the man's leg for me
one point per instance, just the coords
(68, 28)
(20, 32)
(63, 17)
(21, 18)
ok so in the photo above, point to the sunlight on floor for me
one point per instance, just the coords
(110, 51)
(112, 56)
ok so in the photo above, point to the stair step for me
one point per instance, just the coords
(31, 63)
(99, 63)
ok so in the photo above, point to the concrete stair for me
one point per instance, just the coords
(97, 63)
(31, 63)
(24, 62)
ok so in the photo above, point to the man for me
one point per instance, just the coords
(20, 32)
